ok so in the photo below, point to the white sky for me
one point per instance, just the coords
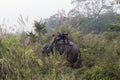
(34, 9)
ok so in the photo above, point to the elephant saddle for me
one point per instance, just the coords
(60, 42)
(64, 43)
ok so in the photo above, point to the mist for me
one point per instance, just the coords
(10, 10)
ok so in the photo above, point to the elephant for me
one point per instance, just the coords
(71, 51)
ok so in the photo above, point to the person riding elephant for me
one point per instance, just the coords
(54, 40)
(60, 36)
(65, 38)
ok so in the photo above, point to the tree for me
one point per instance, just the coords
(32, 36)
(40, 27)
(57, 19)
(114, 27)
(93, 8)
(53, 21)
(93, 12)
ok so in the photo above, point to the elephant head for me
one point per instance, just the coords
(46, 49)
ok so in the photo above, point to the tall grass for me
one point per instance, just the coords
(22, 60)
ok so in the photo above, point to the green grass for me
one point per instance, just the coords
(99, 55)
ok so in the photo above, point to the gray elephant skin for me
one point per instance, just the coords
(71, 51)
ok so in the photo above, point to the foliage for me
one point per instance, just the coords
(99, 57)
(99, 54)
(114, 27)
(32, 36)
(40, 27)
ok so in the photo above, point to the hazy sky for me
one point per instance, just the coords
(34, 9)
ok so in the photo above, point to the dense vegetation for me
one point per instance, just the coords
(21, 58)
(96, 34)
